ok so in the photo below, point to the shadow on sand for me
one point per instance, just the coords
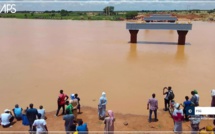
(159, 43)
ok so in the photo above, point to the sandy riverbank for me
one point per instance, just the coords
(89, 115)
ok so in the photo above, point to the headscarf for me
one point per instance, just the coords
(111, 115)
(72, 96)
(213, 92)
(177, 105)
(103, 94)
(103, 99)
(195, 91)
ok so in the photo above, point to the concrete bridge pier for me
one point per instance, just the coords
(133, 35)
(181, 37)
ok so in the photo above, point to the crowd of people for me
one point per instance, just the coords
(180, 115)
(36, 118)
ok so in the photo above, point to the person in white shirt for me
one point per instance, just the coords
(6, 118)
(178, 118)
(42, 112)
(40, 125)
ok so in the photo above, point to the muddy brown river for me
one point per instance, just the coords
(40, 57)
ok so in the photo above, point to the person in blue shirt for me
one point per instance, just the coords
(82, 128)
(17, 111)
(186, 104)
(31, 114)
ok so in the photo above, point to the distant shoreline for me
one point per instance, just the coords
(192, 15)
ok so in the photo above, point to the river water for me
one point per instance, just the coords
(40, 57)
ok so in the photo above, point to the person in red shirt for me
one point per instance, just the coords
(61, 102)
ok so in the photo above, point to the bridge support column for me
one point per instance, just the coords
(181, 37)
(133, 38)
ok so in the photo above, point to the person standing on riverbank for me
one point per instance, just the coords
(102, 106)
(109, 123)
(40, 125)
(69, 121)
(153, 107)
(194, 123)
(31, 114)
(42, 112)
(79, 105)
(194, 99)
(74, 103)
(213, 102)
(69, 107)
(61, 102)
(197, 96)
(169, 96)
(186, 104)
(178, 118)
(82, 127)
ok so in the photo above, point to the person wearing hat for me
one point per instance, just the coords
(17, 111)
(178, 117)
(6, 118)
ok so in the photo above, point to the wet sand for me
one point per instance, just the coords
(40, 57)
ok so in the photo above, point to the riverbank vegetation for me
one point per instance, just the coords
(108, 13)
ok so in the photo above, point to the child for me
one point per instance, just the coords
(79, 105)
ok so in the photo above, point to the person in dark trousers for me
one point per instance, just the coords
(194, 99)
(153, 103)
(186, 104)
(31, 114)
(79, 105)
(213, 103)
(166, 99)
(61, 102)
(6, 118)
(69, 122)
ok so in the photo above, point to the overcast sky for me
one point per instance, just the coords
(119, 5)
